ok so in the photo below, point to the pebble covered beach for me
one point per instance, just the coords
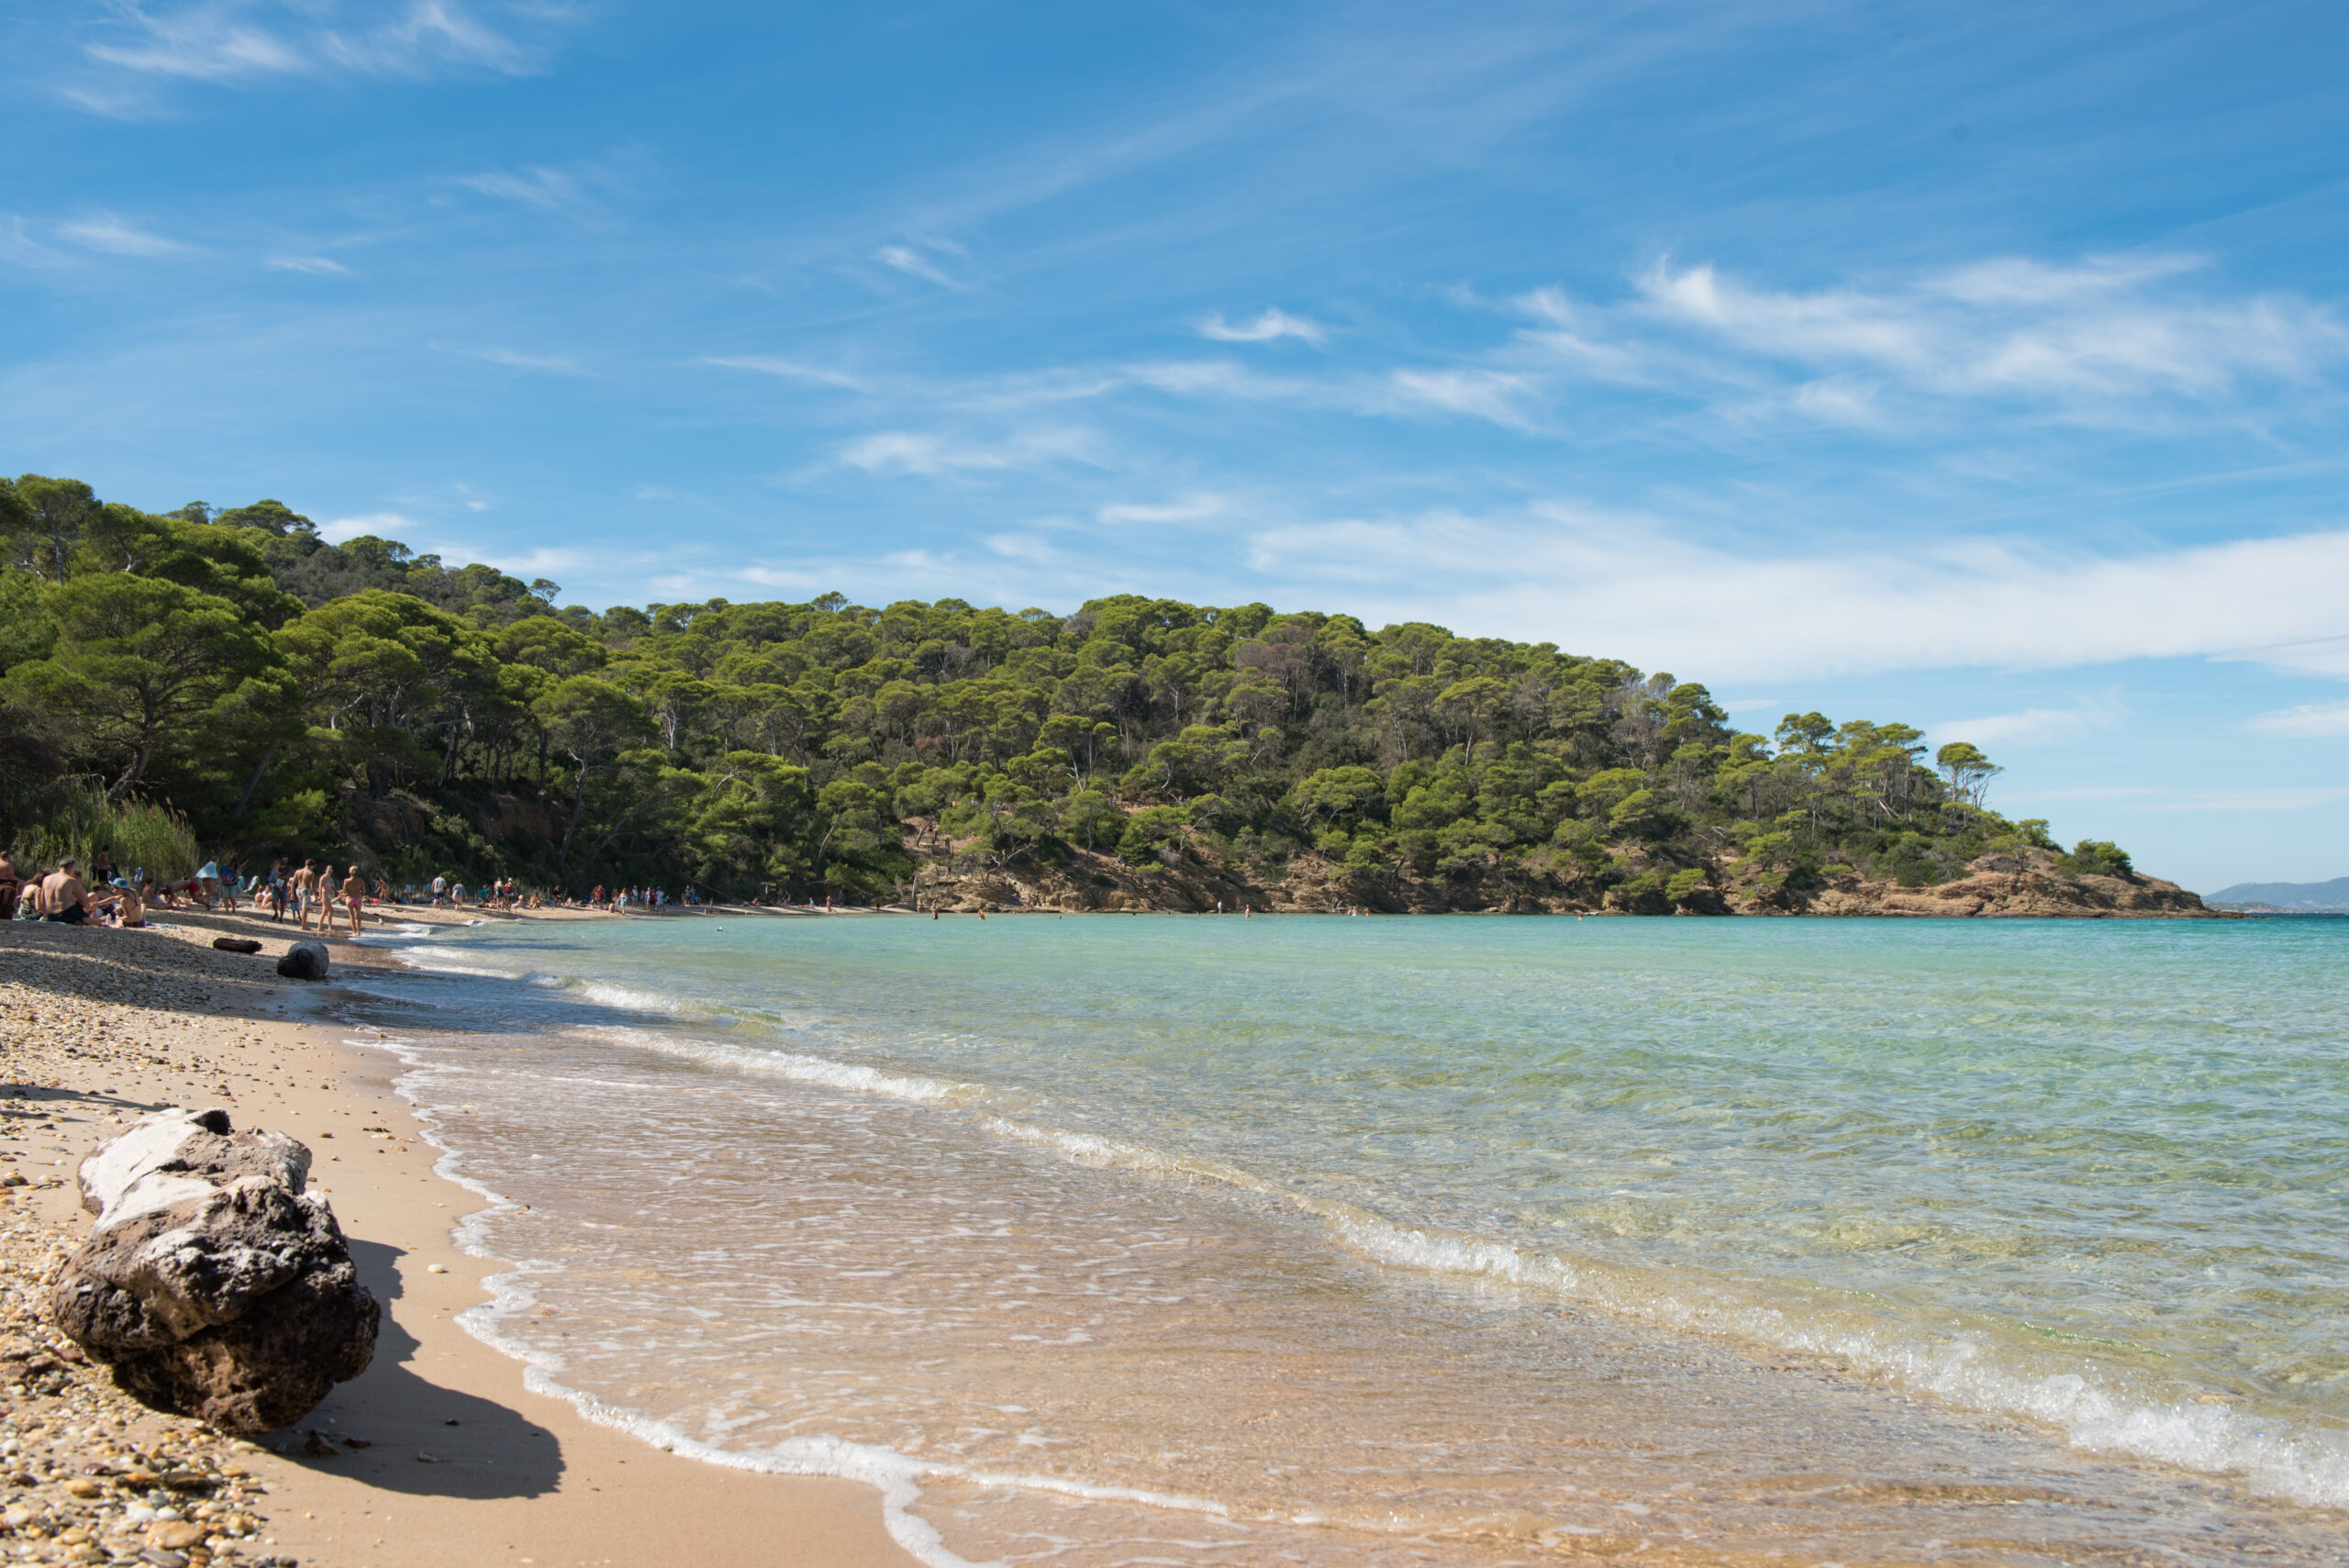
(87, 1040)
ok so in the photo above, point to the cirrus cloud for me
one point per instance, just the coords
(2309, 722)
(2102, 340)
(1598, 580)
(117, 236)
(1273, 324)
(241, 40)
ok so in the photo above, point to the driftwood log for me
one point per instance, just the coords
(213, 1284)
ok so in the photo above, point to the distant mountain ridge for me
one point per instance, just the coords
(2303, 897)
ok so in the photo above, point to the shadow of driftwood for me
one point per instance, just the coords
(420, 1438)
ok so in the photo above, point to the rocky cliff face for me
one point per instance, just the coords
(2032, 885)
(2013, 893)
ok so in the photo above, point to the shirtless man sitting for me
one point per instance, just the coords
(62, 893)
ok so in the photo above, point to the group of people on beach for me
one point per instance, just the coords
(333, 898)
(307, 890)
(620, 900)
(502, 892)
(69, 895)
(62, 897)
(313, 889)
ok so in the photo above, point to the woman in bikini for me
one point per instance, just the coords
(354, 893)
(329, 890)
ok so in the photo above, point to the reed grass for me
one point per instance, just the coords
(81, 822)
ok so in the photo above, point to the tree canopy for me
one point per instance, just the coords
(287, 694)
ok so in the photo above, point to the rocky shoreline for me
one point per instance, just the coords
(2031, 885)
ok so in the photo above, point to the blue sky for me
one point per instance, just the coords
(1981, 366)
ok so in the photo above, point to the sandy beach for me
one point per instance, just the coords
(438, 1454)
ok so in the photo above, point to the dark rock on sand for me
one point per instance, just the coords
(236, 944)
(304, 960)
(213, 1285)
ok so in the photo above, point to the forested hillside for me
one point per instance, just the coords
(291, 696)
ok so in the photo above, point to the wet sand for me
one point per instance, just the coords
(438, 1454)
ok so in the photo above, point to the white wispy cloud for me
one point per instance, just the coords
(1501, 396)
(512, 359)
(2022, 280)
(1190, 509)
(1579, 339)
(2309, 721)
(2315, 656)
(2112, 342)
(781, 577)
(905, 451)
(17, 245)
(2032, 727)
(319, 265)
(1028, 547)
(239, 41)
(213, 42)
(1837, 401)
(117, 236)
(933, 456)
(383, 525)
(545, 560)
(789, 370)
(1496, 395)
(1271, 324)
(1595, 579)
(1215, 377)
(2102, 340)
(424, 36)
(906, 259)
(547, 189)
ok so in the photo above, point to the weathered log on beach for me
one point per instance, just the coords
(304, 960)
(236, 944)
(212, 1285)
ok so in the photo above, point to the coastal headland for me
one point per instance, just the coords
(425, 722)
(438, 1454)
(2025, 883)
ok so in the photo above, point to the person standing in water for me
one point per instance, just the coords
(354, 894)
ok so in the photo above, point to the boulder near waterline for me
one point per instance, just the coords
(213, 1284)
(304, 960)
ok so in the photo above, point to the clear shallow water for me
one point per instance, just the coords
(1201, 1240)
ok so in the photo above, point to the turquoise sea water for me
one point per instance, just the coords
(1210, 1239)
